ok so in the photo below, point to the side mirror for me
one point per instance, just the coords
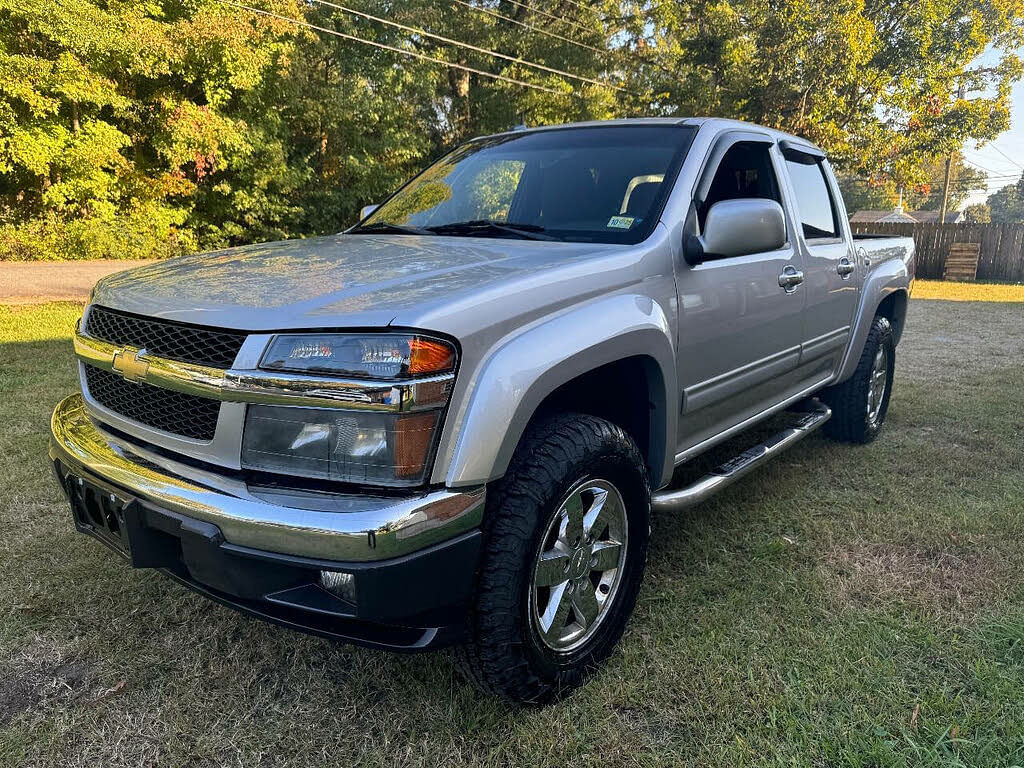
(739, 227)
(366, 210)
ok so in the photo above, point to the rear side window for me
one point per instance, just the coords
(814, 203)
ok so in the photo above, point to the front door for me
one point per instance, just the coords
(739, 329)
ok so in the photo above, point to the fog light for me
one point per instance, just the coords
(341, 585)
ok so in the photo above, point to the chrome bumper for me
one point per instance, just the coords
(337, 527)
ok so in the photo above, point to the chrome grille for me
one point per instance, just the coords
(214, 347)
(164, 409)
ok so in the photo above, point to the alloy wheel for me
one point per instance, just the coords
(579, 565)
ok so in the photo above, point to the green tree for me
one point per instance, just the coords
(865, 194)
(1007, 204)
(927, 196)
(149, 129)
(117, 120)
(876, 82)
(979, 213)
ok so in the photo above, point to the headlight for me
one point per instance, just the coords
(388, 442)
(377, 355)
(333, 444)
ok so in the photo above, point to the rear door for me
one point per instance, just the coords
(739, 329)
(832, 277)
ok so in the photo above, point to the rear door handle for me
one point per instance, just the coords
(845, 267)
(790, 278)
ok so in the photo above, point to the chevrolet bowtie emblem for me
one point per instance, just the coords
(131, 364)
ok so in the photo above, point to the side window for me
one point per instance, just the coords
(814, 204)
(745, 171)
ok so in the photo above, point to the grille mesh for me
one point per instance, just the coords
(161, 338)
(165, 409)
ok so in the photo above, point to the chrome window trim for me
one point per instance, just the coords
(247, 385)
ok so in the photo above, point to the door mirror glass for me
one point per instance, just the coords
(366, 210)
(739, 227)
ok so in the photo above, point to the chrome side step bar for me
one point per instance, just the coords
(732, 470)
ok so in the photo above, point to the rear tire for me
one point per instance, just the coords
(860, 403)
(566, 533)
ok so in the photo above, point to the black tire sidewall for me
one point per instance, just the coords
(848, 400)
(503, 655)
(880, 336)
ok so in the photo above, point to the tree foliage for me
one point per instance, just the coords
(978, 213)
(155, 128)
(1006, 206)
(881, 192)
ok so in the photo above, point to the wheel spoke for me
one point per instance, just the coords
(595, 517)
(552, 568)
(585, 602)
(574, 519)
(552, 621)
(605, 556)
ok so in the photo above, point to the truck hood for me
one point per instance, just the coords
(337, 281)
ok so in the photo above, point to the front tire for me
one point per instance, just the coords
(860, 403)
(566, 532)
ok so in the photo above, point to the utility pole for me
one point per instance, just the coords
(949, 169)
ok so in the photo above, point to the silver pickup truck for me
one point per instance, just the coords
(450, 424)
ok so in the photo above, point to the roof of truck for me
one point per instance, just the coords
(715, 123)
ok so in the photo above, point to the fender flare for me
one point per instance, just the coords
(522, 370)
(886, 278)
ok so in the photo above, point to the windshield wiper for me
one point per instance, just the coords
(387, 228)
(478, 226)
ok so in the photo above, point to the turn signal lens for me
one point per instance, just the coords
(413, 435)
(429, 356)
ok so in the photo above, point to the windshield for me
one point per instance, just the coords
(596, 184)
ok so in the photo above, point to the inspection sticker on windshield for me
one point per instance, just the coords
(621, 222)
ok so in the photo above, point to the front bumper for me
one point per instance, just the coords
(412, 560)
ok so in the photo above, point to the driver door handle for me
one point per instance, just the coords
(790, 278)
(845, 267)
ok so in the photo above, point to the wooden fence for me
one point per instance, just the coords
(1002, 246)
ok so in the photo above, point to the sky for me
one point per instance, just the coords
(1002, 159)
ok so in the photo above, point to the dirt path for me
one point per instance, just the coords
(32, 282)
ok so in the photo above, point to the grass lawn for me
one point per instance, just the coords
(940, 289)
(843, 606)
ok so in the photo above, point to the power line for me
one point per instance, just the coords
(959, 185)
(994, 177)
(539, 30)
(581, 5)
(386, 47)
(979, 167)
(469, 46)
(551, 16)
(997, 149)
